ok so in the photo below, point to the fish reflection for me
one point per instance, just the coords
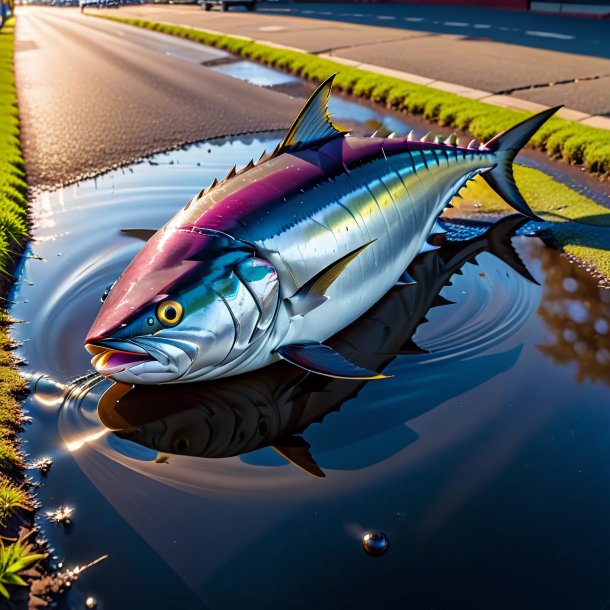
(272, 407)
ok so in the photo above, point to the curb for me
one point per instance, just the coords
(505, 101)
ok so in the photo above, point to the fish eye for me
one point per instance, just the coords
(180, 444)
(170, 313)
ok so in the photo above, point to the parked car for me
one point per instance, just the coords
(226, 4)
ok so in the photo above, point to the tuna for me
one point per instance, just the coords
(277, 258)
(275, 407)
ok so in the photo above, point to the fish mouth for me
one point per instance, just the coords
(111, 358)
(141, 360)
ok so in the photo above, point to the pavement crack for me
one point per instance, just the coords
(567, 81)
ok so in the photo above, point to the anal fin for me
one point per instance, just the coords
(323, 360)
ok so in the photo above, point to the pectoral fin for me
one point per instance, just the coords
(296, 450)
(312, 293)
(323, 360)
(143, 234)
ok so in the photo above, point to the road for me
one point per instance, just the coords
(490, 50)
(95, 94)
(552, 32)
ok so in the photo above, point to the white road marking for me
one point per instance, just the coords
(385, 17)
(272, 28)
(550, 35)
(414, 19)
(482, 26)
(456, 24)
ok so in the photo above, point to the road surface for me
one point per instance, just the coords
(95, 94)
(491, 50)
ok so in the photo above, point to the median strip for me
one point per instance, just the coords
(560, 138)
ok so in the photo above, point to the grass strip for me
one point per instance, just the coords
(13, 232)
(13, 186)
(560, 138)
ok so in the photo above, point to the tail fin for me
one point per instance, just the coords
(506, 146)
(499, 243)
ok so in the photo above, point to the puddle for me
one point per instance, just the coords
(480, 459)
(364, 120)
(256, 74)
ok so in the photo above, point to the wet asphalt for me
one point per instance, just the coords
(94, 95)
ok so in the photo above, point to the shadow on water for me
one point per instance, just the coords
(481, 458)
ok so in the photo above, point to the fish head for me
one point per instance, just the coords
(166, 316)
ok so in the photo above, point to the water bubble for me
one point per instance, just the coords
(90, 602)
(375, 543)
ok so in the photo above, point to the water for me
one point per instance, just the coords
(485, 459)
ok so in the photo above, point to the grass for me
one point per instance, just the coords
(12, 499)
(14, 559)
(13, 232)
(12, 385)
(13, 187)
(560, 138)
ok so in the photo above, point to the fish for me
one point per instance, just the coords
(275, 407)
(276, 258)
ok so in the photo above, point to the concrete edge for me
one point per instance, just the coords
(504, 101)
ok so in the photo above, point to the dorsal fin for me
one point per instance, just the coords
(313, 125)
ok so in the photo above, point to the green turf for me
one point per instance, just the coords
(13, 187)
(561, 138)
(13, 232)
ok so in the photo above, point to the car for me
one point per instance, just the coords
(226, 4)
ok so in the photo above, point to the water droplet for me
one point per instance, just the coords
(375, 543)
